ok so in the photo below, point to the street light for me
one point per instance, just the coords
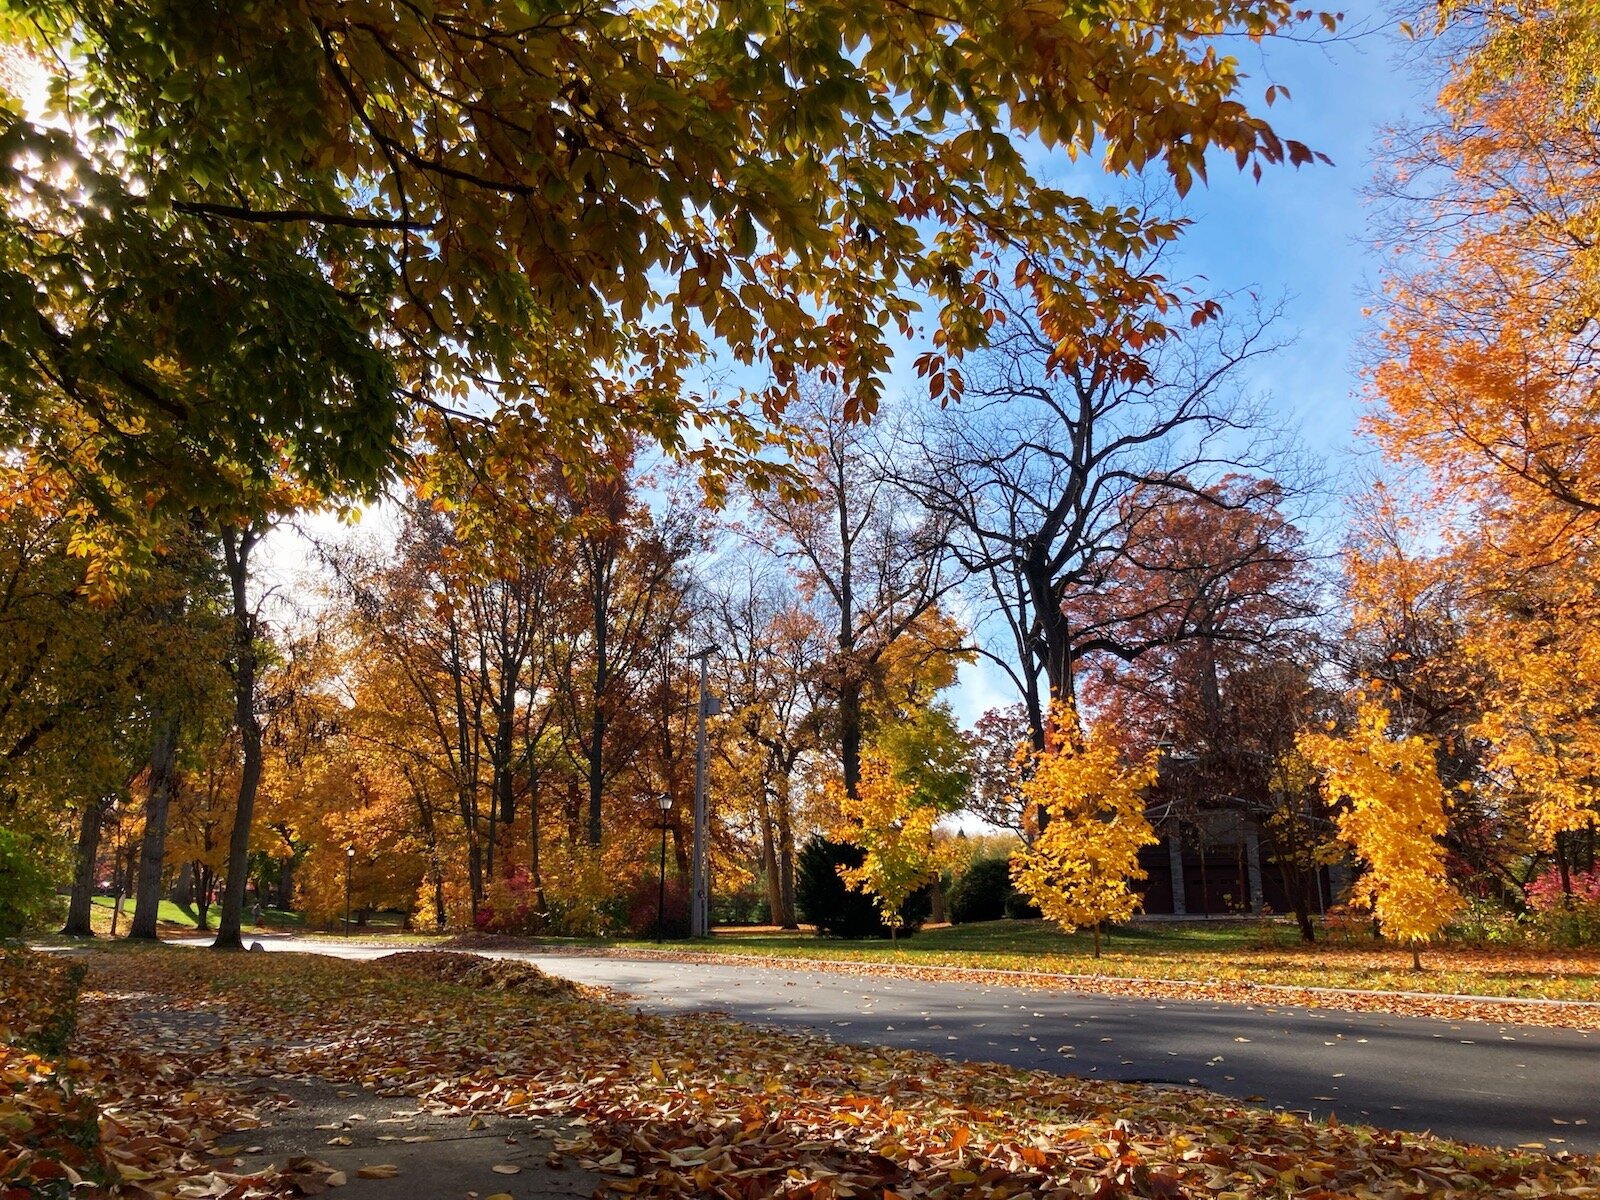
(665, 801)
(349, 861)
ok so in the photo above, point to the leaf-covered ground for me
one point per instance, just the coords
(692, 1106)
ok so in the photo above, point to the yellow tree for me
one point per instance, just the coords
(893, 831)
(1079, 867)
(1393, 819)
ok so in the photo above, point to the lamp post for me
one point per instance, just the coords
(349, 861)
(665, 801)
(699, 898)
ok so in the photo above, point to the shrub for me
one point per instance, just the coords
(1564, 919)
(1485, 922)
(27, 893)
(508, 906)
(1020, 908)
(836, 909)
(981, 891)
(747, 906)
(646, 895)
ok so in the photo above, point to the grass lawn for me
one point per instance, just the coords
(1226, 951)
(174, 917)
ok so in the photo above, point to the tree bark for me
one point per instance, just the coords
(769, 859)
(205, 885)
(237, 545)
(152, 852)
(81, 908)
(183, 886)
(786, 915)
(602, 681)
(286, 884)
(850, 730)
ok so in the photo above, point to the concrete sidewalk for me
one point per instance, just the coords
(318, 1136)
(372, 1147)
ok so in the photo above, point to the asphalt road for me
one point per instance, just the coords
(1498, 1085)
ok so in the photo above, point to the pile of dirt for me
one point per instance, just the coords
(490, 974)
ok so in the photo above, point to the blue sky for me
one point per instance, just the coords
(1299, 234)
(1303, 233)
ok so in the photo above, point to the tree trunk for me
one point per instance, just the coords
(1054, 634)
(597, 735)
(1302, 918)
(183, 888)
(850, 729)
(535, 870)
(786, 915)
(769, 859)
(81, 908)
(237, 545)
(1563, 868)
(158, 796)
(475, 876)
(1097, 939)
(205, 886)
(597, 724)
(285, 897)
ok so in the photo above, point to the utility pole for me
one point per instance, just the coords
(700, 892)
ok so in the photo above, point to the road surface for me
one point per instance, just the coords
(1496, 1085)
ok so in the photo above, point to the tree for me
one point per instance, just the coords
(414, 689)
(768, 668)
(1210, 654)
(658, 179)
(893, 832)
(863, 554)
(1061, 456)
(628, 575)
(1002, 741)
(1078, 869)
(1394, 818)
(1487, 374)
(87, 688)
(1416, 621)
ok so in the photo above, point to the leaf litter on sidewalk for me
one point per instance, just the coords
(704, 1106)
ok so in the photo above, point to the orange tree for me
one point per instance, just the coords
(1488, 378)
